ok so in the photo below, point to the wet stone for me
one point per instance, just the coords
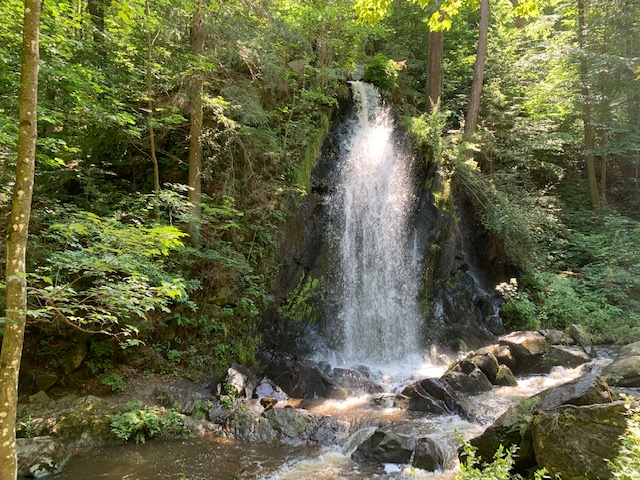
(386, 447)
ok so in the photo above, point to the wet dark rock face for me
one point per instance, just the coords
(430, 396)
(386, 447)
(455, 255)
(307, 379)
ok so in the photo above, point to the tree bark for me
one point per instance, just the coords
(604, 107)
(18, 229)
(195, 133)
(150, 106)
(96, 10)
(434, 69)
(471, 121)
(586, 108)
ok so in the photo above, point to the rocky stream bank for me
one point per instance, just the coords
(570, 429)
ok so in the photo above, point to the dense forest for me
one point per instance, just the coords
(174, 139)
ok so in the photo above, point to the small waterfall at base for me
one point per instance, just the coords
(376, 266)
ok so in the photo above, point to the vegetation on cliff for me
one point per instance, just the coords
(174, 136)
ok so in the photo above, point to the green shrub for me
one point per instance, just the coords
(472, 469)
(498, 469)
(520, 315)
(520, 312)
(627, 464)
(26, 427)
(113, 381)
(141, 424)
(382, 72)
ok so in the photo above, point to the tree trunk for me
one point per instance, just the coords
(96, 10)
(586, 108)
(471, 121)
(195, 133)
(152, 140)
(18, 229)
(434, 69)
(604, 107)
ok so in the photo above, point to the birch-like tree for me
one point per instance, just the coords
(18, 229)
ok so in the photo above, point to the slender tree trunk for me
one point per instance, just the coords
(586, 108)
(434, 69)
(96, 10)
(18, 228)
(471, 121)
(195, 142)
(604, 107)
(152, 139)
(632, 95)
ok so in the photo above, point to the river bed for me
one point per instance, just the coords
(219, 458)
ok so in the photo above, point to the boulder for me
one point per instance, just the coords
(502, 353)
(44, 381)
(527, 349)
(386, 447)
(505, 377)
(630, 350)
(514, 426)
(430, 456)
(564, 356)
(525, 344)
(288, 426)
(73, 357)
(186, 397)
(266, 388)
(472, 383)
(292, 426)
(585, 390)
(624, 371)
(575, 442)
(40, 398)
(242, 379)
(581, 337)
(557, 337)
(354, 381)
(308, 382)
(429, 395)
(248, 426)
(75, 421)
(298, 379)
(40, 456)
(336, 393)
(218, 413)
(487, 363)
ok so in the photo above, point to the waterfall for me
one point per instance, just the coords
(376, 269)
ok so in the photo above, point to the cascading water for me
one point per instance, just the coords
(377, 269)
(375, 278)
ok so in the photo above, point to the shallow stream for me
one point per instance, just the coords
(219, 458)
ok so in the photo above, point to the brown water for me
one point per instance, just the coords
(202, 459)
(193, 459)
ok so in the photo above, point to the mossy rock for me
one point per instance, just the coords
(73, 420)
(575, 442)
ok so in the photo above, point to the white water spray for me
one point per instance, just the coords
(377, 267)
